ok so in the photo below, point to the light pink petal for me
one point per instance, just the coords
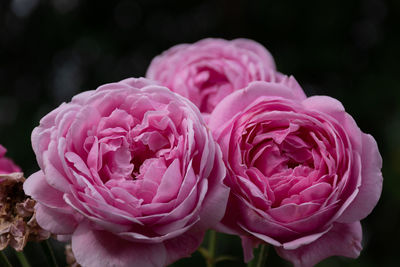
(238, 101)
(143, 238)
(138, 82)
(40, 139)
(371, 182)
(262, 227)
(290, 82)
(55, 177)
(258, 49)
(184, 245)
(183, 214)
(215, 202)
(153, 169)
(170, 183)
(341, 240)
(100, 248)
(37, 187)
(325, 104)
(54, 220)
(92, 215)
(292, 212)
(189, 182)
(81, 98)
(84, 120)
(313, 221)
(335, 109)
(305, 240)
(262, 237)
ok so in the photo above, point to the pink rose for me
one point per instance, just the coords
(7, 165)
(130, 173)
(302, 174)
(207, 71)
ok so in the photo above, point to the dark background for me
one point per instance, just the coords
(52, 49)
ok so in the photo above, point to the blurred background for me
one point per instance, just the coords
(51, 50)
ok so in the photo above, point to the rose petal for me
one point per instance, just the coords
(37, 187)
(371, 183)
(55, 221)
(184, 245)
(101, 248)
(341, 240)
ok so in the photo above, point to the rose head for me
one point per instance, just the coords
(302, 174)
(207, 71)
(130, 173)
(7, 165)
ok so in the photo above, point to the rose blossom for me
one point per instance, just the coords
(207, 71)
(6, 164)
(130, 173)
(302, 174)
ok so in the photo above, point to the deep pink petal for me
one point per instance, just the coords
(371, 182)
(341, 240)
(238, 101)
(184, 245)
(215, 202)
(55, 220)
(100, 248)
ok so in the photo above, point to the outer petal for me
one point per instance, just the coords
(217, 196)
(239, 100)
(37, 187)
(371, 183)
(258, 49)
(101, 248)
(325, 104)
(341, 240)
(335, 109)
(184, 245)
(54, 221)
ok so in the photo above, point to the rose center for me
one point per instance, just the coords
(139, 155)
(283, 152)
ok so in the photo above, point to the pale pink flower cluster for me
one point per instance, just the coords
(135, 172)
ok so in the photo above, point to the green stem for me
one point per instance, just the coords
(22, 259)
(48, 251)
(262, 255)
(4, 260)
(212, 243)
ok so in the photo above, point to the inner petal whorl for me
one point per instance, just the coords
(292, 156)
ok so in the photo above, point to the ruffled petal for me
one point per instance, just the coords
(55, 221)
(341, 240)
(100, 248)
(37, 187)
(371, 182)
